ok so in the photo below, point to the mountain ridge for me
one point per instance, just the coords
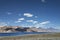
(25, 29)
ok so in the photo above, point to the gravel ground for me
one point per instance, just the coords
(40, 38)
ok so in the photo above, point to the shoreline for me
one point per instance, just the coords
(33, 37)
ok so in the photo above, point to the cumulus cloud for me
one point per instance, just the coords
(21, 19)
(45, 22)
(29, 20)
(42, 24)
(18, 21)
(28, 14)
(32, 21)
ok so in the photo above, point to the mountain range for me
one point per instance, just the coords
(4, 29)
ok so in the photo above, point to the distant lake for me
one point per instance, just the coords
(20, 33)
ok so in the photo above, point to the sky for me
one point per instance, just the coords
(30, 13)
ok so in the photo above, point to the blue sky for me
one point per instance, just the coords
(39, 13)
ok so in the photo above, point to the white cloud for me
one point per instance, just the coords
(42, 24)
(28, 14)
(29, 20)
(9, 13)
(43, 0)
(45, 22)
(3, 24)
(21, 19)
(36, 17)
(18, 21)
(32, 21)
